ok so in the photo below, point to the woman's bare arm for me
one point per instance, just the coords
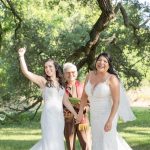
(39, 80)
(68, 105)
(115, 93)
(83, 102)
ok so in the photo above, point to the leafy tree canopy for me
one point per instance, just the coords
(70, 30)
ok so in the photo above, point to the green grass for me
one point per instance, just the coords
(137, 133)
(24, 135)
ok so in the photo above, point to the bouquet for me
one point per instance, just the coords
(74, 101)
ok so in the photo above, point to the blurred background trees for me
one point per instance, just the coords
(69, 30)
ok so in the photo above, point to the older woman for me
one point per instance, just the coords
(74, 89)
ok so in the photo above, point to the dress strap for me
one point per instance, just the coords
(107, 79)
(88, 77)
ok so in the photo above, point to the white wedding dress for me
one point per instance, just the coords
(100, 107)
(52, 120)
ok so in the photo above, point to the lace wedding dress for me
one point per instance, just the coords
(52, 120)
(100, 107)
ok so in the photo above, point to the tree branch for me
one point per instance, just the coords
(29, 107)
(146, 21)
(36, 111)
(8, 116)
(14, 12)
(127, 22)
(82, 62)
(102, 23)
(109, 39)
(4, 4)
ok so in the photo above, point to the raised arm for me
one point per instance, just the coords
(39, 80)
(115, 92)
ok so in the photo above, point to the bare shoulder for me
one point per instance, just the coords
(91, 74)
(43, 79)
(43, 82)
(88, 76)
(113, 79)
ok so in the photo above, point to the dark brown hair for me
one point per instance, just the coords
(111, 69)
(59, 75)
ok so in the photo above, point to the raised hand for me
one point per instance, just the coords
(21, 51)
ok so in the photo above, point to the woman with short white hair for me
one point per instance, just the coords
(74, 89)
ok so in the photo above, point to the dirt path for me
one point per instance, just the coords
(139, 103)
(140, 97)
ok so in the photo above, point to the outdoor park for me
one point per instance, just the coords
(75, 31)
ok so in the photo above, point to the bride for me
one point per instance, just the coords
(52, 118)
(107, 101)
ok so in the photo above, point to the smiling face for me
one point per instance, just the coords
(50, 69)
(102, 64)
(70, 74)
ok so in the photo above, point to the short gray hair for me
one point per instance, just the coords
(69, 65)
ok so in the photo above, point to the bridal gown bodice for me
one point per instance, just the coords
(52, 120)
(99, 97)
(100, 108)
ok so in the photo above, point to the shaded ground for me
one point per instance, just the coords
(14, 136)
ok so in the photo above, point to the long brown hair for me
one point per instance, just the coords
(59, 75)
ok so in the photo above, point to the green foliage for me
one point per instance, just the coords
(54, 28)
(137, 132)
(48, 29)
(130, 54)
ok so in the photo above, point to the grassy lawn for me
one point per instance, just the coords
(22, 136)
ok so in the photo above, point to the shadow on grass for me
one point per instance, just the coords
(141, 147)
(26, 124)
(16, 144)
(23, 145)
(142, 119)
(140, 127)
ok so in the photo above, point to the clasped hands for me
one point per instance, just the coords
(107, 127)
(78, 118)
(68, 115)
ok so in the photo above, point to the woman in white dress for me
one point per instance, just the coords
(102, 89)
(52, 118)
